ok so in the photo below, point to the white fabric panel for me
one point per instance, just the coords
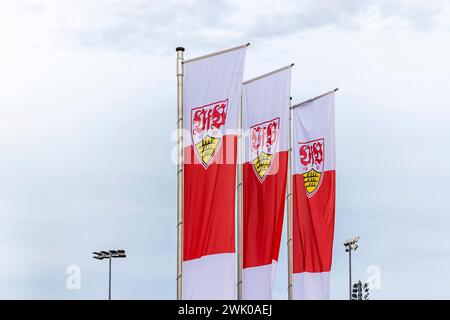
(311, 121)
(311, 286)
(263, 100)
(257, 282)
(211, 277)
(213, 79)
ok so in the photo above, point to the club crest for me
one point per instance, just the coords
(263, 144)
(208, 125)
(312, 160)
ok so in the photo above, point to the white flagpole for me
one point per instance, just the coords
(180, 172)
(240, 206)
(289, 210)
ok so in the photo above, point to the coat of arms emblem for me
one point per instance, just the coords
(312, 160)
(263, 144)
(208, 125)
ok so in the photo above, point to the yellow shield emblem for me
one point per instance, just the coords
(312, 160)
(206, 148)
(264, 141)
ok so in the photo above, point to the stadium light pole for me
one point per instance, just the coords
(109, 255)
(350, 245)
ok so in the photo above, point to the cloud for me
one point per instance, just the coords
(159, 26)
(135, 25)
(347, 16)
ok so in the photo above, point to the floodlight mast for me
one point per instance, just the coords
(109, 255)
(350, 245)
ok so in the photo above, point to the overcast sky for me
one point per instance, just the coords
(88, 110)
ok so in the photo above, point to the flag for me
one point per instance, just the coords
(266, 102)
(313, 197)
(212, 94)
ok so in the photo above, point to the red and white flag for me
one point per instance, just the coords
(266, 102)
(313, 197)
(212, 94)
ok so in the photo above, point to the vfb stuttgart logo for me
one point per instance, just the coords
(208, 124)
(264, 140)
(312, 159)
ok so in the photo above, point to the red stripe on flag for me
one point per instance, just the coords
(263, 212)
(209, 202)
(313, 224)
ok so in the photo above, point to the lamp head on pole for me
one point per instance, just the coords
(109, 254)
(351, 244)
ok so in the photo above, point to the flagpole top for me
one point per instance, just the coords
(179, 49)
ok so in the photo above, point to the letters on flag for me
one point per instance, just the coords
(313, 197)
(212, 94)
(266, 102)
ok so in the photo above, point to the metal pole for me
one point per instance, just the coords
(109, 296)
(240, 208)
(289, 212)
(350, 273)
(180, 174)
